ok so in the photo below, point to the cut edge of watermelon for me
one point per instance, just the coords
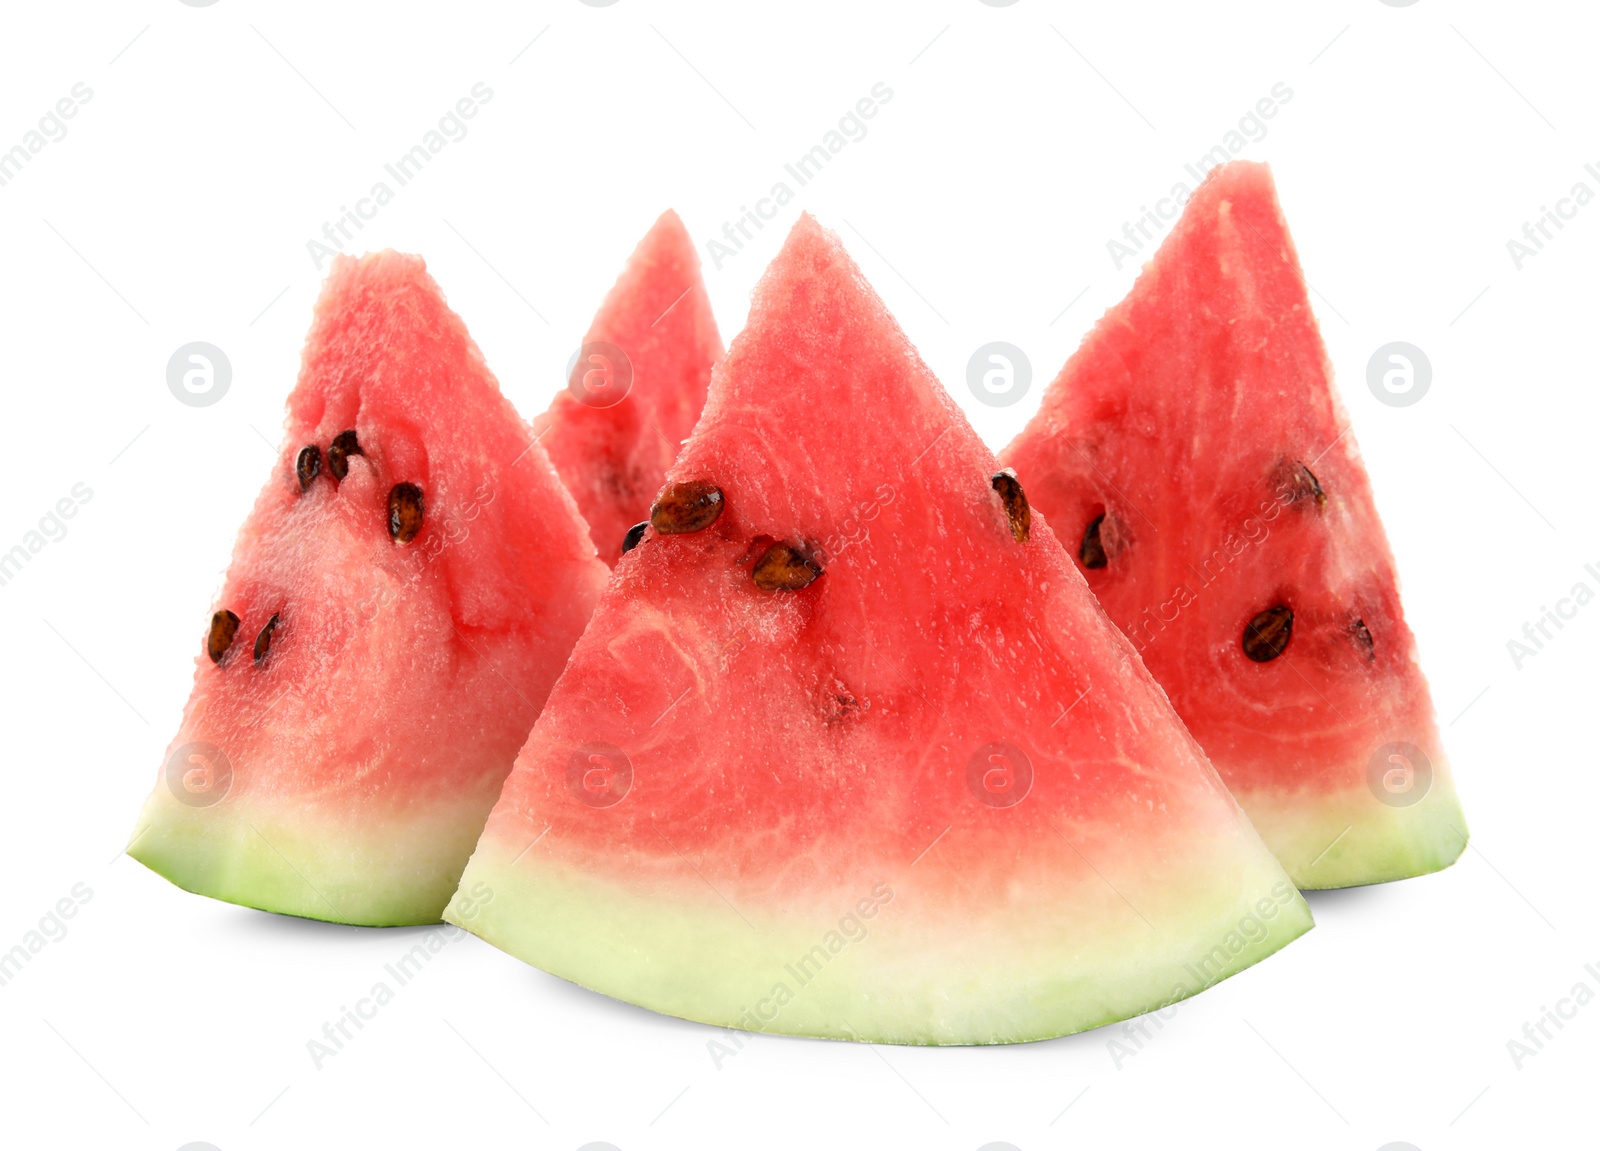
(1351, 839)
(393, 871)
(909, 976)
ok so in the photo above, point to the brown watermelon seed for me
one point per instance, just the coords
(307, 465)
(1363, 638)
(691, 506)
(1092, 552)
(783, 568)
(339, 452)
(1267, 635)
(1015, 501)
(264, 638)
(220, 638)
(1300, 483)
(405, 512)
(635, 534)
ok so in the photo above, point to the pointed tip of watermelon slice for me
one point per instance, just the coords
(808, 238)
(637, 385)
(659, 302)
(794, 319)
(669, 227)
(387, 266)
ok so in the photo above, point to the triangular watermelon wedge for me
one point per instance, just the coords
(848, 749)
(1194, 458)
(401, 598)
(636, 387)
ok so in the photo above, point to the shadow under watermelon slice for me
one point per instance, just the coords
(1194, 457)
(400, 600)
(849, 750)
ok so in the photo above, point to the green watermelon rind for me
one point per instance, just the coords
(1352, 839)
(692, 955)
(398, 872)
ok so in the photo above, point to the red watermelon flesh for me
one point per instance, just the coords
(928, 795)
(1193, 456)
(636, 387)
(344, 774)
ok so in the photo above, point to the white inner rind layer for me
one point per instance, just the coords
(930, 964)
(1354, 837)
(374, 867)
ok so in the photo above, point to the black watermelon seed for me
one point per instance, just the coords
(307, 465)
(1092, 552)
(635, 534)
(220, 638)
(784, 568)
(1267, 635)
(691, 506)
(264, 638)
(339, 452)
(1300, 483)
(1015, 501)
(405, 512)
(1363, 638)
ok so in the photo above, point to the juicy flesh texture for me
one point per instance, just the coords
(613, 459)
(401, 678)
(791, 750)
(1199, 419)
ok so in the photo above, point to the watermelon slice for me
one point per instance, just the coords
(403, 595)
(1195, 459)
(848, 749)
(635, 389)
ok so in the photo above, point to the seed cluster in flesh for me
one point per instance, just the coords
(690, 506)
(405, 521)
(1269, 631)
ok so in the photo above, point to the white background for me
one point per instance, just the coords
(1019, 139)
